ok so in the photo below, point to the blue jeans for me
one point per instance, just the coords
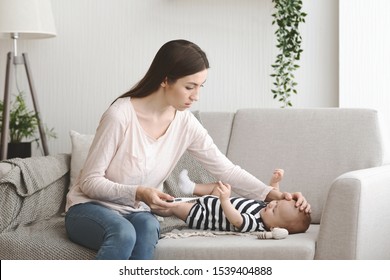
(114, 236)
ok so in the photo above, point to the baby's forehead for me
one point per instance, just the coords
(288, 205)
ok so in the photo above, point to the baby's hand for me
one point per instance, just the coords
(224, 191)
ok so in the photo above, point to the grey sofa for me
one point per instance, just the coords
(333, 156)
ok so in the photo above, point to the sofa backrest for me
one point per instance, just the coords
(313, 146)
(219, 126)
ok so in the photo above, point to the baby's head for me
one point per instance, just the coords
(284, 214)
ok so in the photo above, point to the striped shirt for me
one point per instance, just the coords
(207, 214)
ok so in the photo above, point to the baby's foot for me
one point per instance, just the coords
(277, 176)
(185, 183)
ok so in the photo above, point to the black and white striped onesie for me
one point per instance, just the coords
(207, 214)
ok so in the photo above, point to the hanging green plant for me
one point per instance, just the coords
(287, 17)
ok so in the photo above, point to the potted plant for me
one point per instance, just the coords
(23, 126)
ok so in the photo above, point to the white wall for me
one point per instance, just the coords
(104, 46)
(365, 59)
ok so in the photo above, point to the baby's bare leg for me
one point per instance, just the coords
(181, 210)
(163, 213)
(205, 189)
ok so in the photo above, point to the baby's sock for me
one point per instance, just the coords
(185, 183)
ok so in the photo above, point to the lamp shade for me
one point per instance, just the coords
(30, 19)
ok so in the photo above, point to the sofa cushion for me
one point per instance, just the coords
(313, 146)
(45, 240)
(80, 147)
(234, 247)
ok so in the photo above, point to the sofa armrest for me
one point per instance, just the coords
(355, 223)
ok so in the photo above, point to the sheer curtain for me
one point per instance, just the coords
(365, 59)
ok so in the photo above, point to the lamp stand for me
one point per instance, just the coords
(6, 103)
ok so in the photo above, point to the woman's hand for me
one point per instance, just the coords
(301, 201)
(154, 198)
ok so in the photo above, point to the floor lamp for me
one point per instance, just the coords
(23, 19)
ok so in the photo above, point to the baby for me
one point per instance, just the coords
(217, 210)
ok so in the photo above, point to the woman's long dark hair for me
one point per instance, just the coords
(174, 60)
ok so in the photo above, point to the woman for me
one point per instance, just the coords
(138, 142)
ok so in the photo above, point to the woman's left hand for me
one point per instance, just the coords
(301, 202)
